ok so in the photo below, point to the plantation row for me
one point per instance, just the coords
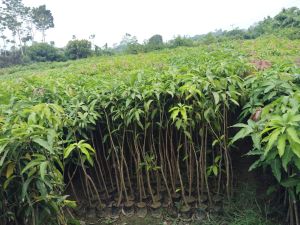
(145, 131)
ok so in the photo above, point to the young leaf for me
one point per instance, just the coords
(68, 150)
(276, 169)
(43, 144)
(272, 139)
(30, 165)
(244, 132)
(292, 133)
(10, 169)
(43, 169)
(25, 187)
(215, 170)
(281, 145)
(216, 97)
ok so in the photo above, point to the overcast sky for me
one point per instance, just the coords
(109, 20)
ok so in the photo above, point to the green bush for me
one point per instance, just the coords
(181, 41)
(10, 59)
(78, 49)
(154, 43)
(43, 52)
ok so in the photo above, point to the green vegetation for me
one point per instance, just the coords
(276, 135)
(78, 49)
(132, 128)
(43, 52)
(19, 24)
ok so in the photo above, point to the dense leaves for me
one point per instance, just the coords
(275, 136)
(142, 125)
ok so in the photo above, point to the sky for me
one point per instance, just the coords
(109, 20)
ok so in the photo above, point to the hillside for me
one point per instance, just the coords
(150, 133)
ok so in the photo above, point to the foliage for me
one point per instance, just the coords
(43, 19)
(181, 41)
(43, 52)
(10, 59)
(244, 208)
(121, 124)
(77, 49)
(154, 43)
(275, 136)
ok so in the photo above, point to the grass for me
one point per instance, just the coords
(244, 209)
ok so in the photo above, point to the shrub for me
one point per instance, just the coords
(10, 59)
(181, 41)
(78, 49)
(43, 52)
(154, 43)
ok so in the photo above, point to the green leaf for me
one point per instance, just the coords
(215, 170)
(2, 147)
(276, 169)
(174, 114)
(30, 165)
(217, 159)
(298, 189)
(88, 156)
(3, 158)
(297, 163)
(10, 169)
(43, 144)
(281, 145)
(41, 187)
(244, 132)
(188, 135)
(183, 114)
(256, 139)
(147, 105)
(254, 165)
(234, 101)
(271, 190)
(70, 204)
(68, 150)
(288, 155)
(295, 148)
(290, 182)
(178, 124)
(272, 139)
(25, 187)
(43, 169)
(292, 133)
(216, 141)
(89, 147)
(7, 182)
(240, 125)
(216, 97)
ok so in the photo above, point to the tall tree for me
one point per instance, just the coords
(14, 13)
(92, 38)
(42, 19)
(2, 30)
(155, 43)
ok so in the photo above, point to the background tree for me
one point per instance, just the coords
(181, 41)
(14, 13)
(92, 38)
(155, 43)
(77, 49)
(288, 18)
(2, 33)
(42, 19)
(43, 52)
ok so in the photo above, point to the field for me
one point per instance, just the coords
(162, 133)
